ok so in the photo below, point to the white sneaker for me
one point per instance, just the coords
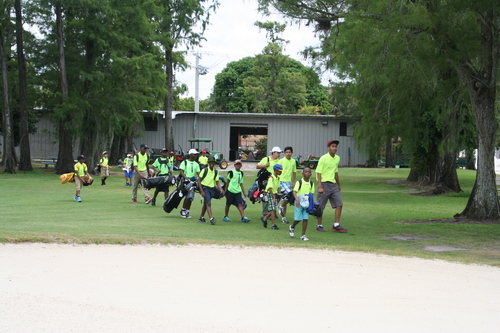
(280, 209)
(291, 231)
(304, 238)
(283, 220)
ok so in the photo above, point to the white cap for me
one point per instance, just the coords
(276, 150)
(192, 151)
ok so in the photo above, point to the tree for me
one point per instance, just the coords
(8, 157)
(25, 159)
(269, 82)
(463, 38)
(177, 23)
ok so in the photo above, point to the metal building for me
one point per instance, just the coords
(307, 134)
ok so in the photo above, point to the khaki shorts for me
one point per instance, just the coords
(104, 172)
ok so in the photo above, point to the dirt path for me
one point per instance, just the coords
(78, 288)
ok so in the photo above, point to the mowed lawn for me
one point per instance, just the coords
(36, 207)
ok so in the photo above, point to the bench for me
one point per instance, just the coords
(47, 163)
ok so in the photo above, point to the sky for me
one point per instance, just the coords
(232, 36)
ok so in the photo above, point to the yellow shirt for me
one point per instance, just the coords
(141, 161)
(328, 166)
(272, 163)
(80, 169)
(208, 177)
(290, 166)
(203, 159)
(273, 183)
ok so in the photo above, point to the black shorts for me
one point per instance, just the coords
(233, 198)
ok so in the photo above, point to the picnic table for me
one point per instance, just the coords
(47, 163)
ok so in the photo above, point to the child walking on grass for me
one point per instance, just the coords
(301, 192)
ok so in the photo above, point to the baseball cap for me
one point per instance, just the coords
(192, 151)
(237, 162)
(104, 152)
(332, 141)
(164, 149)
(276, 150)
(129, 155)
(211, 158)
(204, 152)
(144, 146)
(81, 157)
(278, 167)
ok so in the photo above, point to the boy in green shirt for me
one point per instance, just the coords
(81, 176)
(189, 169)
(104, 164)
(234, 192)
(302, 189)
(162, 167)
(209, 179)
(272, 188)
(287, 178)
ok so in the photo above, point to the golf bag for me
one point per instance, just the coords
(158, 181)
(175, 198)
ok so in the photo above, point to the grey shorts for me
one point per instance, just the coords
(330, 192)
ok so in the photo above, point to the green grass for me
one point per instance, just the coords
(36, 207)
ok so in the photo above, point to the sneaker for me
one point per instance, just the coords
(319, 228)
(202, 220)
(283, 220)
(264, 222)
(275, 227)
(304, 238)
(226, 219)
(339, 229)
(212, 221)
(280, 209)
(148, 200)
(134, 201)
(153, 202)
(291, 231)
(245, 220)
(78, 199)
(183, 213)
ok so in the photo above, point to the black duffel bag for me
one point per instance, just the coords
(158, 181)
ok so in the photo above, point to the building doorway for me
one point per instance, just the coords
(244, 137)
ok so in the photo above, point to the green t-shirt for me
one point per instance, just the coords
(162, 164)
(80, 169)
(236, 178)
(141, 161)
(191, 168)
(305, 187)
(328, 166)
(272, 163)
(290, 166)
(203, 159)
(273, 183)
(209, 177)
(104, 161)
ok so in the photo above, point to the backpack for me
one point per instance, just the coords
(300, 184)
(97, 168)
(216, 173)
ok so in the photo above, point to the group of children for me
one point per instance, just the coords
(281, 182)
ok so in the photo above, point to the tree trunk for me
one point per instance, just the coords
(24, 133)
(483, 201)
(389, 160)
(470, 163)
(8, 133)
(447, 179)
(65, 158)
(169, 133)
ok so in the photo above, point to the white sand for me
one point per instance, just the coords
(78, 288)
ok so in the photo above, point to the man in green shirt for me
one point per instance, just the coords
(268, 163)
(327, 174)
(141, 166)
(207, 183)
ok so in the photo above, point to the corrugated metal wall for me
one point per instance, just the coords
(306, 134)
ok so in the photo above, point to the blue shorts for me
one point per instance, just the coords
(209, 194)
(233, 198)
(300, 214)
(129, 174)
